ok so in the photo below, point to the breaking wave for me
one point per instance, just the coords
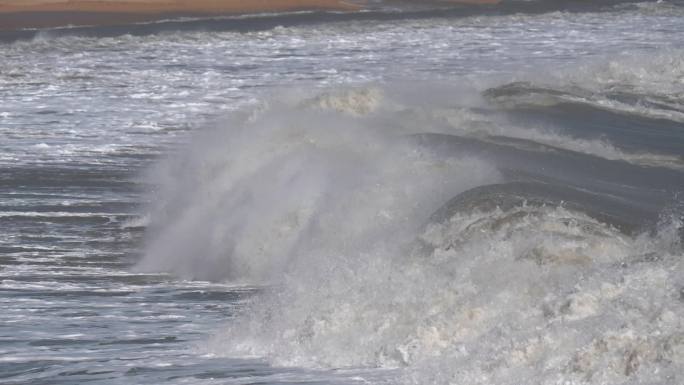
(532, 294)
(271, 187)
(390, 229)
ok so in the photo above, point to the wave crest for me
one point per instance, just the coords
(257, 194)
(337, 208)
(537, 294)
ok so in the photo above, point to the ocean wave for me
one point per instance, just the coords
(625, 101)
(530, 293)
(293, 171)
(294, 163)
(464, 121)
(625, 108)
(642, 85)
(339, 203)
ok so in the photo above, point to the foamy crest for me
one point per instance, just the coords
(532, 295)
(330, 207)
(359, 101)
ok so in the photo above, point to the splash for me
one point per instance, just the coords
(264, 192)
(527, 295)
(329, 202)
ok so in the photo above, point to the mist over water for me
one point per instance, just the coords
(332, 174)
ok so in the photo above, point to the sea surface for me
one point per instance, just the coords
(406, 195)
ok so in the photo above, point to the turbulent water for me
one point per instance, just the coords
(400, 196)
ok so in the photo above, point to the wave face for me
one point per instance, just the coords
(451, 244)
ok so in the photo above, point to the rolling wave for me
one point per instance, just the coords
(283, 167)
(506, 294)
(392, 229)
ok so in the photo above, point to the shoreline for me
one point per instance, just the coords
(38, 14)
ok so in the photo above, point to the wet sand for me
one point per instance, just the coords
(18, 14)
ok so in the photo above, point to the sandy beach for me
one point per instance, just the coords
(18, 14)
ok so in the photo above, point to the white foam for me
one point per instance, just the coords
(324, 204)
(542, 296)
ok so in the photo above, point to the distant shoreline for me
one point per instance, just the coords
(30, 14)
(37, 14)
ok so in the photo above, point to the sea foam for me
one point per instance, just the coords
(326, 203)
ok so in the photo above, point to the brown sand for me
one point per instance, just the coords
(168, 6)
(16, 14)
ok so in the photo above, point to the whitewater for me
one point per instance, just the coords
(406, 195)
